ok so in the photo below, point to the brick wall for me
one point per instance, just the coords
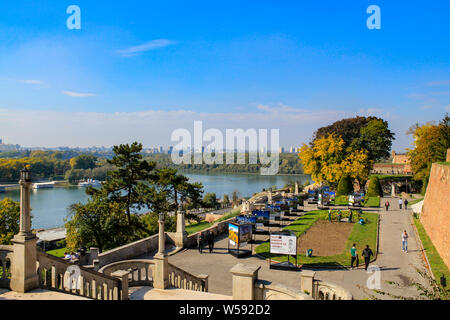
(436, 210)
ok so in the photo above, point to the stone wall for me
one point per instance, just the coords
(130, 251)
(435, 215)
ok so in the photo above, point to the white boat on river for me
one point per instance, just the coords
(90, 183)
(43, 185)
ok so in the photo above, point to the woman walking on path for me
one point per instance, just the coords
(387, 204)
(201, 240)
(405, 241)
(406, 204)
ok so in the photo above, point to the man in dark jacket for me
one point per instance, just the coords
(201, 240)
(367, 254)
(210, 239)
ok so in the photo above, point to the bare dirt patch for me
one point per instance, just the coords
(326, 238)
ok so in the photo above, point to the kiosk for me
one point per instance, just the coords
(284, 243)
(240, 235)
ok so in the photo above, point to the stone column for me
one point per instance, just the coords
(296, 188)
(393, 190)
(180, 235)
(23, 269)
(244, 278)
(269, 197)
(161, 276)
(122, 275)
(307, 281)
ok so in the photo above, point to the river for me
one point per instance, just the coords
(49, 206)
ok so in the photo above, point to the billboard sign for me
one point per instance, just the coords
(283, 244)
(233, 232)
(245, 233)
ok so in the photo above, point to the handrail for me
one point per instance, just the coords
(60, 275)
(6, 255)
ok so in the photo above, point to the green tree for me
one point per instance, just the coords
(226, 199)
(84, 161)
(177, 190)
(374, 189)
(9, 220)
(345, 186)
(431, 142)
(210, 200)
(99, 223)
(129, 182)
(376, 138)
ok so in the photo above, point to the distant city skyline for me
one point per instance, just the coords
(136, 72)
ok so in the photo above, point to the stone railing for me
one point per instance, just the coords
(60, 275)
(328, 291)
(140, 271)
(266, 291)
(6, 254)
(181, 279)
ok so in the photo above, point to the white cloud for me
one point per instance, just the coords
(78, 94)
(151, 45)
(152, 127)
(31, 81)
(281, 109)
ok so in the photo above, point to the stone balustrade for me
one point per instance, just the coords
(265, 290)
(6, 257)
(181, 279)
(140, 271)
(60, 275)
(323, 290)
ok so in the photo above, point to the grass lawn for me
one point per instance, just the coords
(438, 267)
(202, 225)
(415, 201)
(58, 252)
(373, 202)
(341, 201)
(361, 235)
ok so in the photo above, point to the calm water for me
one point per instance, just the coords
(50, 205)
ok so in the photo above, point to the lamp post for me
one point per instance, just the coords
(162, 236)
(25, 211)
(23, 270)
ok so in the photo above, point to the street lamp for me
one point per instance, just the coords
(25, 175)
(161, 216)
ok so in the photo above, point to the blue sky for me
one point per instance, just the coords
(139, 69)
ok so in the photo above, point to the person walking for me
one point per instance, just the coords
(406, 204)
(329, 215)
(367, 254)
(387, 204)
(405, 241)
(354, 255)
(400, 202)
(339, 215)
(210, 241)
(201, 240)
(350, 217)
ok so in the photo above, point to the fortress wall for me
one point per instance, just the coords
(435, 215)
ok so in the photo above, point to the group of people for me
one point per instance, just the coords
(367, 252)
(209, 239)
(71, 256)
(401, 203)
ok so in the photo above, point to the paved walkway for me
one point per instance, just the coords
(394, 265)
(38, 294)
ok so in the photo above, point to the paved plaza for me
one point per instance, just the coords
(394, 264)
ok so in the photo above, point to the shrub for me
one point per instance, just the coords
(374, 189)
(345, 186)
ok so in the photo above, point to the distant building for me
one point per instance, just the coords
(400, 165)
(1, 141)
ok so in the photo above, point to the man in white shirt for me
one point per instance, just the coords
(400, 202)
